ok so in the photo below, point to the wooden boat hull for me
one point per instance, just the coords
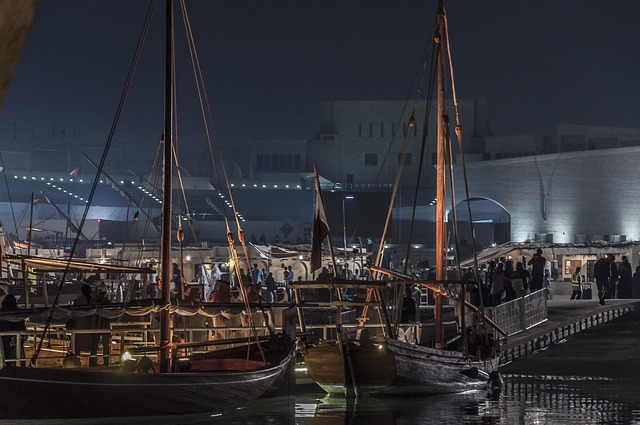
(74, 393)
(397, 368)
(425, 370)
(333, 371)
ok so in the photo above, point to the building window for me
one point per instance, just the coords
(297, 162)
(370, 159)
(350, 178)
(381, 129)
(393, 129)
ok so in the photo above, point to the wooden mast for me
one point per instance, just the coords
(440, 182)
(165, 241)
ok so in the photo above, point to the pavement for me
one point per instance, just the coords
(564, 317)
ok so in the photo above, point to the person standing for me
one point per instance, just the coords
(546, 284)
(613, 277)
(601, 272)
(221, 294)
(209, 281)
(576, 285)
(270, 288)
(497, 286)
(636, 283)
(152, 288)
(256, 275)
(81, 320)
(10, 342)
(625, 281)
(525, 276)
(408, 313)
(290, 275)
(100, 322)
(509, 276)
(538, 264)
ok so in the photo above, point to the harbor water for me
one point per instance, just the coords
(588, 378)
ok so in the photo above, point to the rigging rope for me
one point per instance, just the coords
(458, 131)
(6, 183)
(202, 93)
(123, 96)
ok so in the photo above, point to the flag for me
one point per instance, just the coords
(75, 172)
(320, 228)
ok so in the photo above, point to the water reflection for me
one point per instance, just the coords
(525, 400)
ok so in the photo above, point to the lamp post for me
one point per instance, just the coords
(344, 227)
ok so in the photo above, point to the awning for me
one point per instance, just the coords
(488, 254)
(42, 264)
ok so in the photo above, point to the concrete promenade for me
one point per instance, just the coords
(564, 317)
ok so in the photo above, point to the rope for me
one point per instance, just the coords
(6, 183)
(203, 93)
(105, 152)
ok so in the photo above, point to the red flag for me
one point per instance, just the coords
(320, 228)
(75, 172)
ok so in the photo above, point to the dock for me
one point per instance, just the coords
(565, 317)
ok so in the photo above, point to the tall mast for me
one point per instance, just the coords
(440, 181)
(165, 241)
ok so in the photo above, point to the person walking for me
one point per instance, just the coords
(576, 285)
(601, 272)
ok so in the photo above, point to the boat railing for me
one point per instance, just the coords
(521, 313)
(59, 341)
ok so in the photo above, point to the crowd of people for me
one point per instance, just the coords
(616, 280)
(502, 281)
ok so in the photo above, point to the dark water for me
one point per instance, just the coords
(525, 400)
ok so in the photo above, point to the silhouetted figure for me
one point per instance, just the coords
(408, 313)
(100, 322)
(636, 283)
(576, 285)
(625, 281)
(537, 263)
(601, 272)
(10, 342)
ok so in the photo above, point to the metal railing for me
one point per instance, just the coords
(520, 314)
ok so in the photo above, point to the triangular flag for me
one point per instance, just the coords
(320, 228)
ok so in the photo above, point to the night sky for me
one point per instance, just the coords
(269, 64)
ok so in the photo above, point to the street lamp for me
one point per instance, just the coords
(344, 226)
